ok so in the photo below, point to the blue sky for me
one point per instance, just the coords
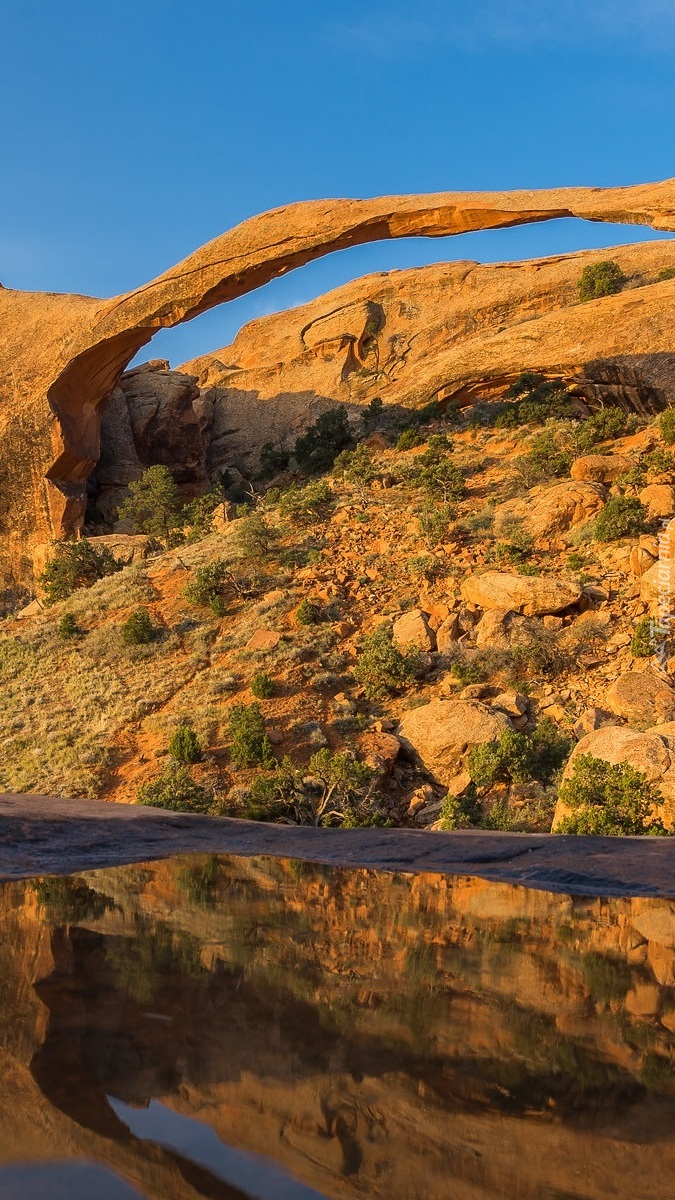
(133, 132)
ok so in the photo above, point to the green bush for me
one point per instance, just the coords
(381, 668)
(665, 273)
(609, 799)
(185, 746)
(371, 417)
(209, 585)
(272, 460)
(75, 565)
(251, 747)
(409, 438)
(546, 458)
(536, 400)
(275, 794)
(667, 426)
(461, 812)
(436, 522)
(356, 466)
(600, 427)
(649, 636)
(68, 627)
(435, 472)
(309, 612)
(305, 505)
(334, 789)
(320, 445)
(138, 629)
(659, 462)
(255, 537)
(152, 504)
(519, 757)
(600, 279)
(262, 685)
(176, 790)
(622, 516)
(195, 519)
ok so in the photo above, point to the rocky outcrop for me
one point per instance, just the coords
(641, 696)
(440, 733)
(599, 468)
(552, 511)
(533, 595)
(61, 356)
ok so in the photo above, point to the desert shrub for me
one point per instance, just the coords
(609, 799)
(176, 790)
(75, 565)
(334, 789)
(649, 636)
(309, 612)
(195, 520)
(468, 670)
(435, 472)
(262, 685)
(138, 629)
(461, 812)
(276, 793)
(209, 585)
(514, 543)
(665, 273)
(409, 438)
(255, 537)
(536, 652)
(305, 505)
(535, 400)
(381, 668)
(519, 757)
(422, 566)
(600, 279)
(68, 627)
(372, 415)
(356, 466)
(436, 522)
(184, 745)
(667, 426)
(152, 504)
(317, 449)
(546, 458)
(251, 747)
(659, 462)
(622, 516)
(273, 459)
(479, 522)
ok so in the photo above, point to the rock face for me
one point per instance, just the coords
(529, 594)
(61, 356)
(641, 696)
(552, 511)
(412, 629)
(440, 733)
(599, 468)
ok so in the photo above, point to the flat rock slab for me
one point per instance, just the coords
(43, 835)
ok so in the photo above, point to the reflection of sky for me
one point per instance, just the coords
(63, 1181)
(258, 1178)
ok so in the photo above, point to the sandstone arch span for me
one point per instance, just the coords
(61, 355)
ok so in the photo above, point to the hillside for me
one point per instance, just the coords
(512, 611)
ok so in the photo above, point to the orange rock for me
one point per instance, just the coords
(263, 639)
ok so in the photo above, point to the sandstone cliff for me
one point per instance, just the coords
(61, 356)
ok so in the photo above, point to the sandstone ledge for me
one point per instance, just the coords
(42, 835)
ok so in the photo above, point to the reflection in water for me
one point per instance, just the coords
(219, 1027)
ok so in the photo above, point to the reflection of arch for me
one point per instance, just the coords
(62, 355)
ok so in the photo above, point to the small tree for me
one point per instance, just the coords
(309, 612)
(307, 504)
(381, 667)
(68, 627)
(320, 445)
(622, 516)
(371, 416)
(196, 518)
(255, 538)
(251, 747)
(600, 279)
(262, 685)
(344, 785)
(184, 745)
(75, 565)
(176, 790)
(152, 504)
(138, 629)
(356, 466)
(273, 459)
(609, 799)
(209, 586)
(518, 757)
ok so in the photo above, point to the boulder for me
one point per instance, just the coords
(551, 511)
(658, 499)
(657, 586)
(591, 719)
(412, 629)
(640, 561)
(642, 696)
(648, 752)
(533, 595)
(599, 468)
(447, 633)
(379, 750)
(441, 733)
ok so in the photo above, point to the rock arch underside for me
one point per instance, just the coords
(455, 329)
